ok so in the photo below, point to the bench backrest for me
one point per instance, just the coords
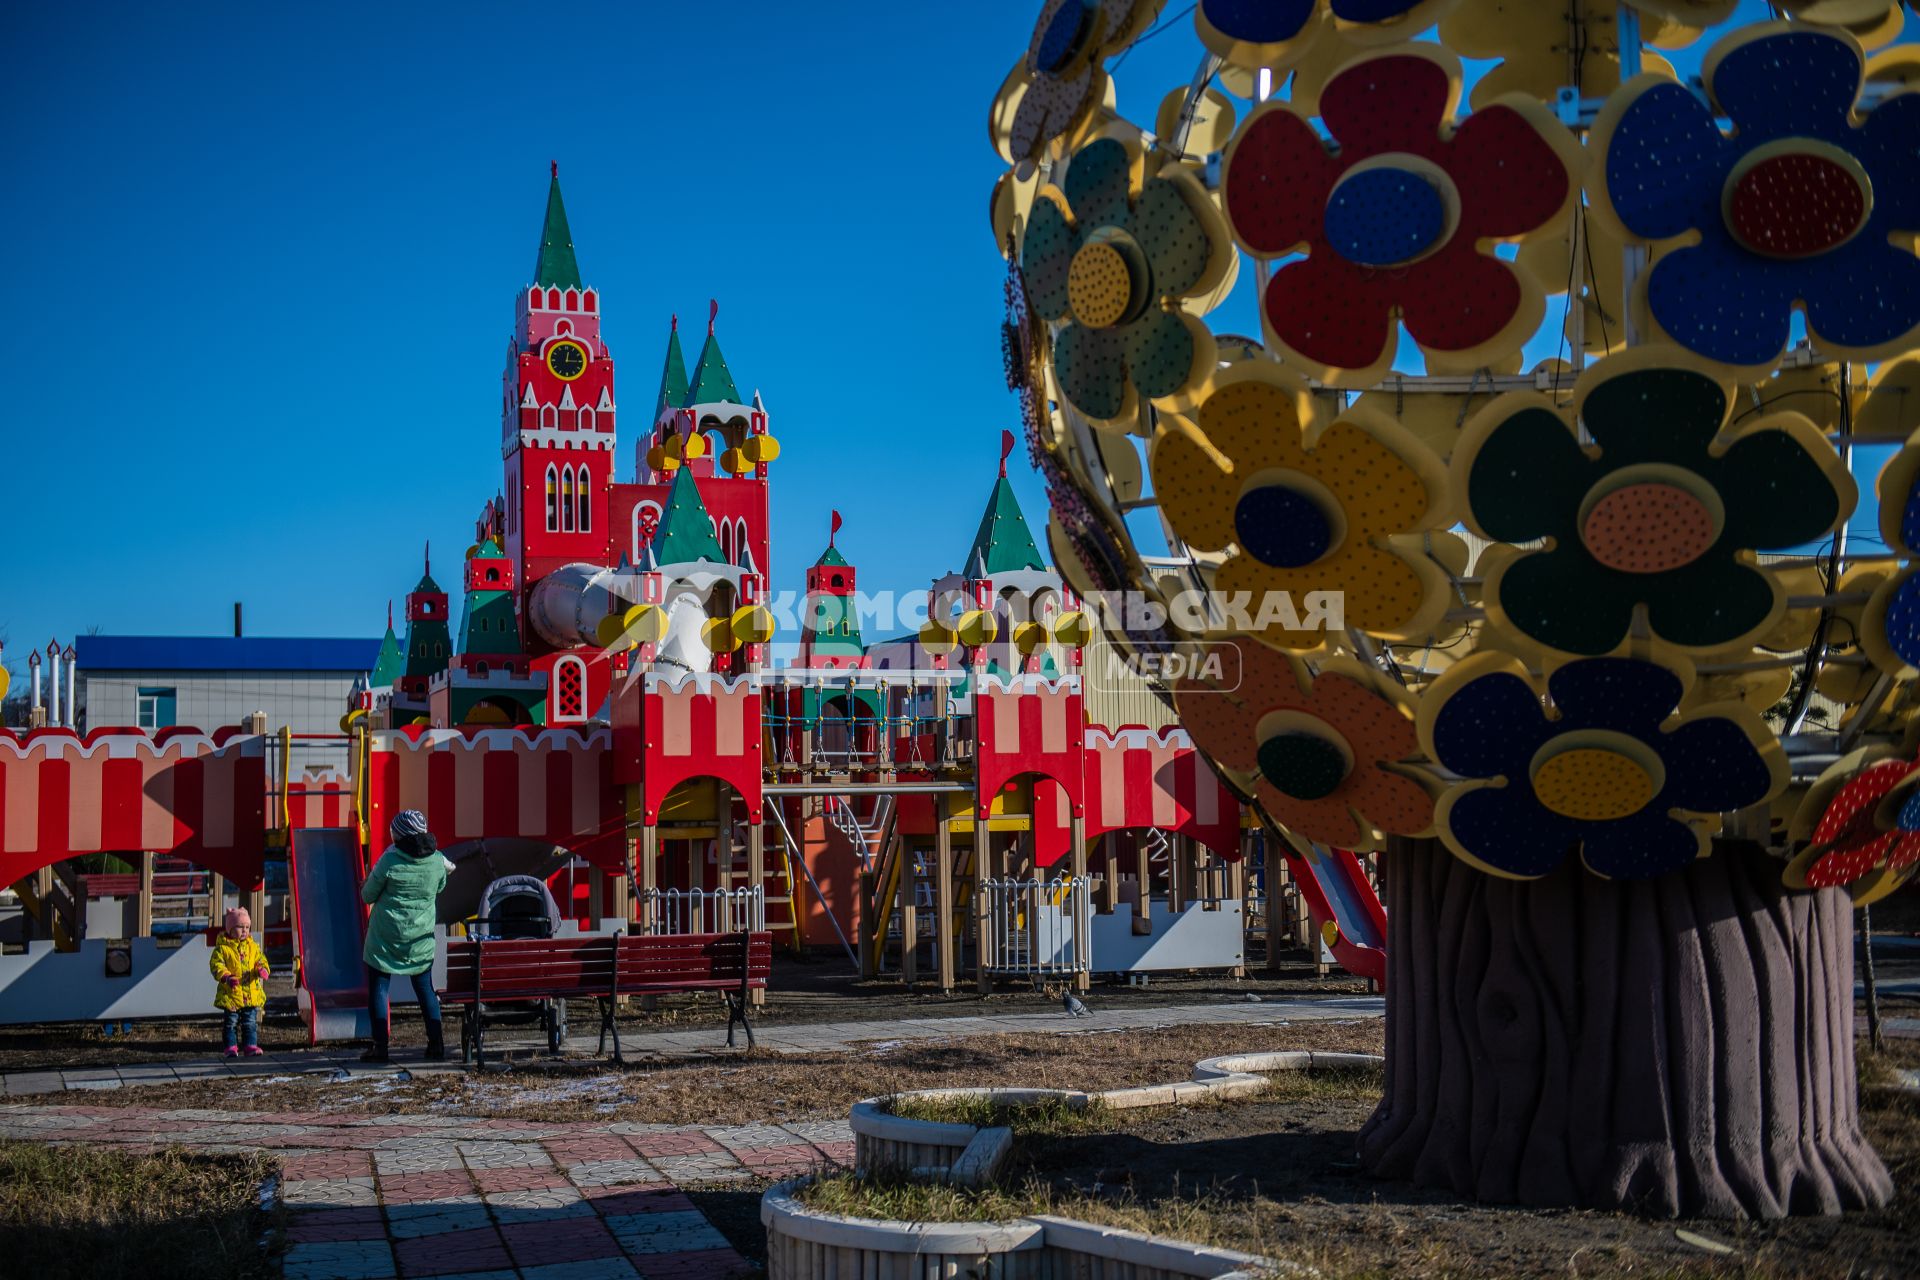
(532, 968)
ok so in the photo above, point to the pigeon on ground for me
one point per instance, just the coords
(1071, 1003)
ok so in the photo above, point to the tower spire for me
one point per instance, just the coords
(555, 264)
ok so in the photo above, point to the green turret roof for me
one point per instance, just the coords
(832, 556)
(556, 265)
(673, 378)
(712, 381)
(1004, 543)
(488, 550)
(426, 583)
(391, 663)
(686, 530)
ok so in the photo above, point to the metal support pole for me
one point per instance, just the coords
(943, 899)
(1082, 942)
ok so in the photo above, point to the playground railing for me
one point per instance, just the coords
(702, 911)
(1039, 927)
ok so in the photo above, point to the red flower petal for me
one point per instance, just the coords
(1458, 298)
(1386, 104)
(1278, 182)
(1510, 179)
(1331, 311)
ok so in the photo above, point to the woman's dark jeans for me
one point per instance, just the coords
(380, 1009)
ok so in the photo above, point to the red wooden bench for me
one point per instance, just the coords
(510, 970)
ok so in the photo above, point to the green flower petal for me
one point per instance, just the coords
(1174, 237)
(1563, 599)
(1097, 182)
(1655, 415)
(1046, 254)
(1707, 603)
(1092, 369)
(1160, 351)
(1775, 493)
(1527, 479)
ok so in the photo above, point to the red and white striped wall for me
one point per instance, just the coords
(179, 792)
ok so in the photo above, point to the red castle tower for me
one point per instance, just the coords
(558, 416)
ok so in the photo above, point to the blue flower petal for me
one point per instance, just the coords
(1712, 767)
(1796, 83)
(1718, 300)
(1490, 726)
(1621, 694)
(1887, 146)
(1257, 21)
(1864, 294)
(1666, 163)
(1508, 829)
(1903, 621)
(1646, 845)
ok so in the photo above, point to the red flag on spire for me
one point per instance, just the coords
(835, 529)
(1006, 447)
(713, 313)
(555, 166)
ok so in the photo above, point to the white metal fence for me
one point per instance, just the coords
(676, 911)
(1039, 927)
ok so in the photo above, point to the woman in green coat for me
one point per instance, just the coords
(401, 890)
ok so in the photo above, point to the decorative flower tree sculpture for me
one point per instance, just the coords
(1620, 864)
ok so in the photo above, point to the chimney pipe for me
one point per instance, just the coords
(237, 633)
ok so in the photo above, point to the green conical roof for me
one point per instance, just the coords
(556, 265)
(832, 556)
(488, 550)
(426, 584)
(391, 663)
(1004, 542)
(712, 382)
(686, 530)
(673, 377)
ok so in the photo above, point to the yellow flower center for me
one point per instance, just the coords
(1106, 282)
(1594, 783)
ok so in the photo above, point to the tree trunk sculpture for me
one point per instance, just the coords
(1678, 1046)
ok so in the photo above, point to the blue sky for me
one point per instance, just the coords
(264, 258)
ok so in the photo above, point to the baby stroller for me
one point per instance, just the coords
(518, 907)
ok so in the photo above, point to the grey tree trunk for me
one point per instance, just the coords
(1677, 1047)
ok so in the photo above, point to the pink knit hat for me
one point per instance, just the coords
(237, 918)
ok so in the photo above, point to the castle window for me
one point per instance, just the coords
(573, 301)
(583, 501)
(588, 301)
(586, 419)
(566, 500)
(569, 689)
(549, 417)
(493, 575)
(553, 299)
(553, 498)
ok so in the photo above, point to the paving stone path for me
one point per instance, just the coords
(372, 1197)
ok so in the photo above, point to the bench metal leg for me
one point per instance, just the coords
(737, 1012)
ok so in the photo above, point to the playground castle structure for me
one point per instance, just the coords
(931, 803)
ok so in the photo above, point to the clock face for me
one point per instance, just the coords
(568, 360)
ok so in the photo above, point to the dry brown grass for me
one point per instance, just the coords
(73, 1211)
(760, 1085)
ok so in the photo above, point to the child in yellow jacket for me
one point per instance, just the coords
(240, 970)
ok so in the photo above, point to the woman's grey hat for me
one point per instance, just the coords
(408, 822)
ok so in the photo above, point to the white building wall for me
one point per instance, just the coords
(303, 701)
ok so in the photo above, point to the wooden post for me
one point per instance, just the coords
(648, 876)
(909, 910)
(257, 909)
(1077, 833)
(870, 911)
(982, 855)
(1144, 859)
(143, 912)
(1110, 878)
(943, 895)
(1179, 874)
(216, 897)
(1237, 893)
(1272, 864)
(596, 895)
(757, 879)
